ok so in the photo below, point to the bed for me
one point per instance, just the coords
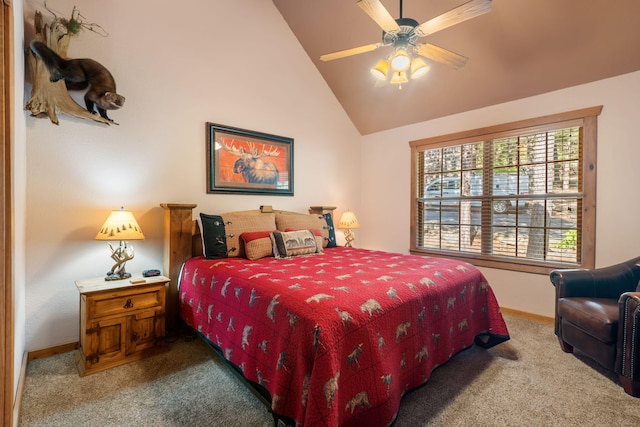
(329, 335)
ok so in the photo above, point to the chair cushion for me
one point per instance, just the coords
(596, 316)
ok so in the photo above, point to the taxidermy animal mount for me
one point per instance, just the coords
(50, 74)
(80, 74)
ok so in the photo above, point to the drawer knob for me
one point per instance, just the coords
(128, 304)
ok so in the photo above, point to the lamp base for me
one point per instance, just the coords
(120, 254)
(117, 276)
(349, 237)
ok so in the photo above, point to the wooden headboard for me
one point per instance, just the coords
(183, 240)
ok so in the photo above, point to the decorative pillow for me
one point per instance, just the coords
(291, 243)
(257, 244)
(304, 222)
(214, 241)
(332, 242)
(318, 235)
(236, 224)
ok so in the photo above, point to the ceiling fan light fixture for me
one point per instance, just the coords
(402, 35)
(381, 70)
(418, 68)
(400, 61)
(398, 78)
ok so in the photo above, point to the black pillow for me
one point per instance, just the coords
(214, 238)
(332, 232)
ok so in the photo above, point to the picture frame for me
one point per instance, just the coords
(242, 161)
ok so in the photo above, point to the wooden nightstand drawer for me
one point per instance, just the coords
(124, 302)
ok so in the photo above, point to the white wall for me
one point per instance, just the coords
(386, 179)
(179, 65)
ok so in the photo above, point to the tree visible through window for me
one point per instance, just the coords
(517, 196)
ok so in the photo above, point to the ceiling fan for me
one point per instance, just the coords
(403, 34)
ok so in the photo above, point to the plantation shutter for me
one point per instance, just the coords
(508, 197)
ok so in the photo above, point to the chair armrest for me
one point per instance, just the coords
(628, 354)
(604, 282)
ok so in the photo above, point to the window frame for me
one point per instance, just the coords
(586, 119)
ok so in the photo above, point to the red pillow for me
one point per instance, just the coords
(257, 244)
(248, 236)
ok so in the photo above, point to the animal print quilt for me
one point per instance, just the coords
(338, 338)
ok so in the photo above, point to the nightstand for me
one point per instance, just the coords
(120, 321)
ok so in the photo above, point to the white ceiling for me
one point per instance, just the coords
(520, 48)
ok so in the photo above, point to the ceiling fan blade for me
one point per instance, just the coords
(455, 16)
(378, 13)
(350, 52)
(444, 56)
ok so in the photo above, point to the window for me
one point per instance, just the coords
(518, 196)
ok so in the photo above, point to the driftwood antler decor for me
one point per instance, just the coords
(49, 93)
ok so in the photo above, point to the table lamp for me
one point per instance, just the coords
(120, 225)
(348, 221)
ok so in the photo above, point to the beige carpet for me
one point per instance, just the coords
(527, 381)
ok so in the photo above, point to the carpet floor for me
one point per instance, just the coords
(527, 381)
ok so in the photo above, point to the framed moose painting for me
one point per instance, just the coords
(246, 162)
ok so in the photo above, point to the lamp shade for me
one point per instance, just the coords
(418, 68)
(399, 78)
(381, 70)
(400, 60)
(348, 220)
(120, 225)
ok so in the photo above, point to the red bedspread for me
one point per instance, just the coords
(338, 338)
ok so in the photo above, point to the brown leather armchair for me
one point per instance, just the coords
(598, 312)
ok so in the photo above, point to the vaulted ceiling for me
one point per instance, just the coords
(519, 49)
